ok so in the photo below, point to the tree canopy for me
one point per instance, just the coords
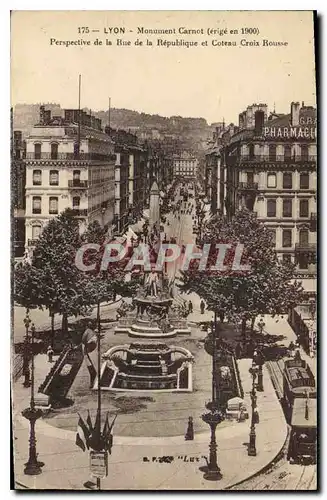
(266, 288)
(52, 280)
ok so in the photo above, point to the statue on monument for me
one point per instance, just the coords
(152, 284)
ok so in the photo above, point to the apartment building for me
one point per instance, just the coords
(70, 162)
(185, 165)
(269, 165)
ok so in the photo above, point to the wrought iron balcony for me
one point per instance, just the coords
(77, 184)
(70, 156)
(80, 212)
(305, 247)
(277, 158)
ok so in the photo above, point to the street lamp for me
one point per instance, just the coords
(26, 368)
(32, 467)
(214, 416)
(252, 451)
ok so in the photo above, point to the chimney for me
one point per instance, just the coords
(259, 118)
(241, 120)
(295, 114)
(42, 111)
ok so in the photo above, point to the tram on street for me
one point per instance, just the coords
(300, 404)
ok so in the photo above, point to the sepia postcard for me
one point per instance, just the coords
(164, 250)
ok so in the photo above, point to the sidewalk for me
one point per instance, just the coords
(42, 319)
(134, 463)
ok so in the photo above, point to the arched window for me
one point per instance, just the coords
(76, 202)
(54, 178)
(37, 177)
(303, 237)
(76, 175)
(36, 231)
(54, 151)
(37, 151)
(53, 205)
(36, 205)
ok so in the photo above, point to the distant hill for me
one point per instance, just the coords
(191, 132)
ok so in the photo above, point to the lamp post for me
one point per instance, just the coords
(32, 467)
(252, 451)
(26, 368)
(214, 416)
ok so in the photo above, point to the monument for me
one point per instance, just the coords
(154, 205)
(152, 314)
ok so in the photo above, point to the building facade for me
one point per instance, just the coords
(185, 165)
(131, 178)
(268, 164)
(70, 163)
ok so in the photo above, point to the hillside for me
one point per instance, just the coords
(190, 132)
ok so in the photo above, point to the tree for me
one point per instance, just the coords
(267, 288)
(103, 284)
(53, 281)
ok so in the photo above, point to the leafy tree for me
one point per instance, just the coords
(266, 288)
(53, 281)
(103, 284)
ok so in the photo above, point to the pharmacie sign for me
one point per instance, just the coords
(305, 130)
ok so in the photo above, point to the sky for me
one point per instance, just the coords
(213, 82)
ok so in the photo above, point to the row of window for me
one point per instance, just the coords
(288, 152)
(288, 180)
(53, 177)
(287, 237)
(53, 154)
(53, 204)
(287, 210)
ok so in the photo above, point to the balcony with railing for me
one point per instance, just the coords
(278, 158)
(77, 184)
(71, 156)
(306, 247)
(248, 186)
(80, 212)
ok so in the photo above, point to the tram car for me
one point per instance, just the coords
(303, 435)
(298, 382)
(300, 404)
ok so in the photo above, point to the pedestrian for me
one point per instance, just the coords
(202, 306)
(189, 436)
(190, 307)
(50, 354)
